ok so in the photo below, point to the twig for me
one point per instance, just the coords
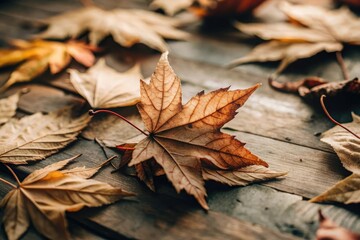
(13, 173)
(333, 120)
(343, 67)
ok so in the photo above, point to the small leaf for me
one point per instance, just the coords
(346, 145)
(46, 194)
(346, 191)
(40, 55)
(103, 87)
(37, 136)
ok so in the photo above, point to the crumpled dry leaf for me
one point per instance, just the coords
(328, 230)
(126, 26)
(314, 87)
(8, 107)
(311, 30)
(44, 196)
(103, 87)
(346, 191)
(38, 55)
(183, 137)
(37, 136)
(346, 145)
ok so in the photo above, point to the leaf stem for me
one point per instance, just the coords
(333, 120)
(13, 173)
(92, 112)
(7, 182)
(341, 62)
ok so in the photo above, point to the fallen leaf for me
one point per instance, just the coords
(183, 137)
(346, 191)
(314, 87)
(346, 145)
(43, 198)
(311, 30)
(242, 176)
(8, 107)
(328, 230)
(103, 87)
(38, 55)
(126, 26)
(37, 136)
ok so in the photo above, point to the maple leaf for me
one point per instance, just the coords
(103, 87)
(328, 230)
(37, 136)
(38, 55)
(183, 137)
(137, 26)
(314, 87)
(45, 195)
(8, 107)
(316, 29)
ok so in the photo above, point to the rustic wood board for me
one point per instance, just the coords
(286, 138)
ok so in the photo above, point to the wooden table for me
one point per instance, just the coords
(280, 128)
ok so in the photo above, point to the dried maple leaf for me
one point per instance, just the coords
(314, 87)
(183, 137)
(346, 145)
(126, 26)
(44, 196)
(311, 30)
(38, 55)
(37, 136)
(8, 107)
(328, 230)
(346, 191)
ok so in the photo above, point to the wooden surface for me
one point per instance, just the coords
(280, 128)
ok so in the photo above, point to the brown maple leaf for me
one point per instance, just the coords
(45, 195)
(126, 26)
(313, 87)
(38, 55)
(182, 138)
(328, 230)
(103, 87)
(311, 30)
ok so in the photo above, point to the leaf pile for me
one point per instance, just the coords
(37, 56)
(309, 31)
(126, 26)
(186, 141)
(44, 196)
